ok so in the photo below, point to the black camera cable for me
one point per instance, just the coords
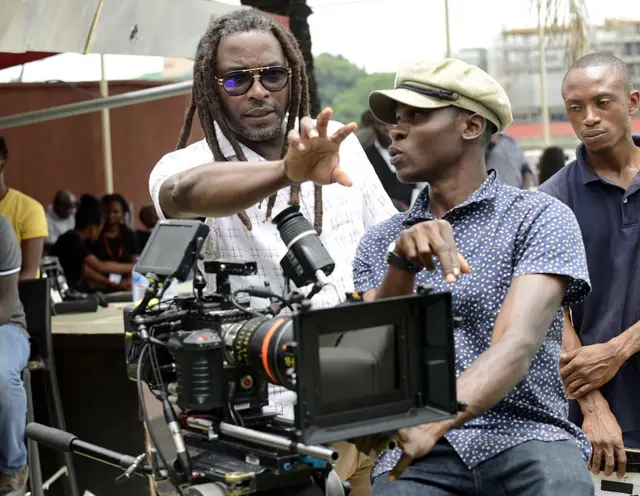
(182, 455)
(171, 473)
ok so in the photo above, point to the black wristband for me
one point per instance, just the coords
(395, 260)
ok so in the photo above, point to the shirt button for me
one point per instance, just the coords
(625, 200)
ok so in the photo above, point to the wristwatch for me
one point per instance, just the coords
(395, 260)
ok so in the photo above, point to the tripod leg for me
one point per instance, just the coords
(148, 447)
(33, 451)
(52, 393)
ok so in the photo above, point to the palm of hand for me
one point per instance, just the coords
(315, 163)
(313, 154)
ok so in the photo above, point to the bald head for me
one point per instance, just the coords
(64, 203)
(600, 102)
(604, 60)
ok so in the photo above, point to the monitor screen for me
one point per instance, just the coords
(169, 244)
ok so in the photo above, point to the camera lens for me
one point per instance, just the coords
(292, 225)
(307, 259)
(260, 344)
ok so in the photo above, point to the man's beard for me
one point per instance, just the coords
(266, 132)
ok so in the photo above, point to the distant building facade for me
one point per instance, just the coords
(475, 56)
(517, 65)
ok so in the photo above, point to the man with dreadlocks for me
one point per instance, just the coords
(250, 94)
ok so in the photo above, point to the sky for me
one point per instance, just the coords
(377, 35)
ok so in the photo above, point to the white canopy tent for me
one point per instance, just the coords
(165, 28)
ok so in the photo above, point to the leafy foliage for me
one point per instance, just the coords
(346, 87)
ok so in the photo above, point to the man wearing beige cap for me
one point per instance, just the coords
(510, 258)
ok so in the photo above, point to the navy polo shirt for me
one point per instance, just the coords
(609, 218)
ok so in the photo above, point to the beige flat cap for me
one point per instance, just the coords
(435, 84)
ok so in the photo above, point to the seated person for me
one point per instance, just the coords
(14, 355)
(27, 218)
(149, 219)
(60, 216)
(509, 258)
(83, 270)
(116, 243)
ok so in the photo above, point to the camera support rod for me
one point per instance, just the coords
(265, 439)
(67, 442)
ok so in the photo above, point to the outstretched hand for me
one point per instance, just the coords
(313, 154)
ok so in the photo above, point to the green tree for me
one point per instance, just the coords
(346, 87)
(335, 75)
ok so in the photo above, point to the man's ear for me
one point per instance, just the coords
(474, 126)
(634, 102)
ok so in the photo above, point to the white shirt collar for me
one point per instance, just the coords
(228, 151)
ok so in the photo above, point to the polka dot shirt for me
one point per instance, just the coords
(503, 233)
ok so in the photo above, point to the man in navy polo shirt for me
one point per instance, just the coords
(510, 258)
(601, 364)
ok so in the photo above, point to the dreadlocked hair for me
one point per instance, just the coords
(205, 101)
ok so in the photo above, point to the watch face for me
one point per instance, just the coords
(392, 246)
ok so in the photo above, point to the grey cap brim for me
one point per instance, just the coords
(383, 103)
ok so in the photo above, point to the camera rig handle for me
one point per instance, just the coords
(67, 442)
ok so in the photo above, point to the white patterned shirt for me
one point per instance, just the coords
(347, 213)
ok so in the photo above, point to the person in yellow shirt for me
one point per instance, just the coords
(27, 218)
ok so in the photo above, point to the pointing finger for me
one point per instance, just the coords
(341, 134)
(462, 262)
(308, 128)
(295, 141)
(322, 122)
(448, 252)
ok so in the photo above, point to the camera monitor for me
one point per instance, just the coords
(393, 367)
(172, 249)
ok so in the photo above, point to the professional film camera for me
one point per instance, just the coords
(219, 360)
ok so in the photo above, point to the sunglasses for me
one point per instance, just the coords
(237, 83)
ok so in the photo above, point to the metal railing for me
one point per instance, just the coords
(95, 105)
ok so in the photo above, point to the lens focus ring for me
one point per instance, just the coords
(292, 226)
